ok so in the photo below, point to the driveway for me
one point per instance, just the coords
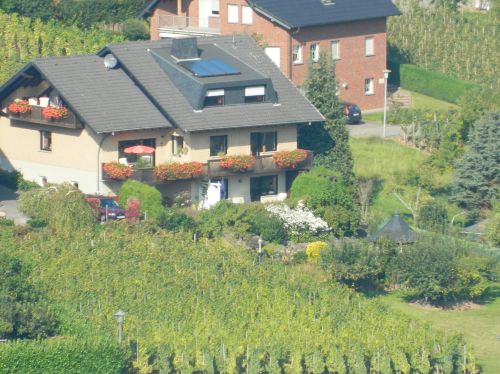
(8, 205)
(370, 129)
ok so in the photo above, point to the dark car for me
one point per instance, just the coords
(107, 208)
(352, 113)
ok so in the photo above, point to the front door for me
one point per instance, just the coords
(274, 53)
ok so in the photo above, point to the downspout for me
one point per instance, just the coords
(99, 169)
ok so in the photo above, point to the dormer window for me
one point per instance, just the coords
(255, 94)
(214, 98)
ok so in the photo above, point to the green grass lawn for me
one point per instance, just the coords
(481, 327)
(419, 101)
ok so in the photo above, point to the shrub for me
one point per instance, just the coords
(179, 170)
(6, 221)
(150, 198)
(36, 223)
(314, 249)
(135, 29)
(270, 228)
(271, 249)
(63, 207)
(429, 83)
(9, 178)
(117, 171)
(433, 216)
(174, 220)
(352, 262)
(439, 269)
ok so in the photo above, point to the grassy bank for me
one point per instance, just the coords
(480, 326)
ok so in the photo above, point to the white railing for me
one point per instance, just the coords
(194, 25)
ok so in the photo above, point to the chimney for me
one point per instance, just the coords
(185, 48)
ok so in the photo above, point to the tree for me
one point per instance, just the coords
(134, 29)
(477, 179)
(149, 197)
(329, 141)
(29, 8)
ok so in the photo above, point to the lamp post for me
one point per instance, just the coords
(120, 316)
(386, 77)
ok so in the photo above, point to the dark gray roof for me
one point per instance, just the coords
(302, 13)
(141, 66)
(396, 230)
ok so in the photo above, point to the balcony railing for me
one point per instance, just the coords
(35, 116)
(211, 169)
(188, 25)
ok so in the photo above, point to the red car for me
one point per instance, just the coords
(107, 207)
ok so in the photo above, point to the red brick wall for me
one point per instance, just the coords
(352, 69)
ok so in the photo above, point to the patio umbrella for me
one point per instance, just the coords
(139, 149)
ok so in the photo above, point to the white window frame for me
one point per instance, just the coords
(314, 51)
(255, 91)
(298, 50)
(336, 43)
(233, 13)
(246, 15)
(211, 93)
(369, 46)
(370, 85)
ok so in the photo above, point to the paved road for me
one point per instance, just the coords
(8, 205)
(367, 130)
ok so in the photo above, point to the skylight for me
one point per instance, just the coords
(209, 68)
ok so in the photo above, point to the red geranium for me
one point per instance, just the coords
(55, 113)
(240, 163)
(115, 170)
(19, 106)
(179, 170)
(289, 159)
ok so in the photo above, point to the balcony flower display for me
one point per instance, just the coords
(239, 163)
(55, 112)
(117, 171)
(19, 106)
(179, 170)
(289, 159)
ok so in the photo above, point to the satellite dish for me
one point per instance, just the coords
(110, 61)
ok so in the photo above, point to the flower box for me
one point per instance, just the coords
(54, 113)
(19, 106)
(237, 164)
(289, 159)
(115, 170)
(179, 170)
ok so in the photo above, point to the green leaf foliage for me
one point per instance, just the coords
(62, 356)
(433, 216)
(173, 219)
(477, 178)
(134, 29)
(149, 197)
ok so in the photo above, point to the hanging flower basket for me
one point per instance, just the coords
(19, 106)
(179, 170)
(237, 164)
(289, 159)
(54, 113)
(117, 171)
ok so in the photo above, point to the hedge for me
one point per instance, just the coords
(62, 356)
(429, 83)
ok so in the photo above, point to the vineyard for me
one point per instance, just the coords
(445, 41)
(208, 307)
(23, 39)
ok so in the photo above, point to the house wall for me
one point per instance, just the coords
(352, 68)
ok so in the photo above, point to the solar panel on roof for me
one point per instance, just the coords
(209, 68)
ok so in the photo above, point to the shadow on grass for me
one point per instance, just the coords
(491, 294)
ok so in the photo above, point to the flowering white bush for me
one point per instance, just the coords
(298, 219)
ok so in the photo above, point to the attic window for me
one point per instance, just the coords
(255, 94)
(214, 98)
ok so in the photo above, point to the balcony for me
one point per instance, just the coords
(188, 25)
(35, 116)
(146, 175)
(263, 164)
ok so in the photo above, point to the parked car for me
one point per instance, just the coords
(352, 113)
(107, 208)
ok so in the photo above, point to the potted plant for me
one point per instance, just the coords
(289, 159)
(18, 107)
(55, 113)
(237, 163)
(117, 171)
(179, 170)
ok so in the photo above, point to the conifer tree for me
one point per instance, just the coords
(477, 180)
(329, 141)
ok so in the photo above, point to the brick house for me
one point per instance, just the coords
(191, 100)
(293, 32)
